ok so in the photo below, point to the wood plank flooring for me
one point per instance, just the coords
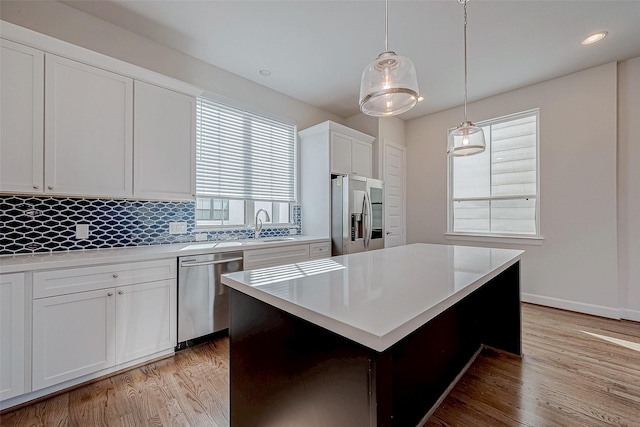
(577, 370)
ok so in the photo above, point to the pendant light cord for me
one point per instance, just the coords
(464, 2)
(386, 26)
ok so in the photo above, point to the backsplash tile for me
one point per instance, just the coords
(47, 224)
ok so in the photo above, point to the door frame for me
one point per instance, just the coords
(403, 149)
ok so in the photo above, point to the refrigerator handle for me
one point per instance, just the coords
(367, 222)
(370, 228)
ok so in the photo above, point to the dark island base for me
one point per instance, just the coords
(286, 371)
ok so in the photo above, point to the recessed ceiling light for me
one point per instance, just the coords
(420, 98)
(594, 38)
(264, 72)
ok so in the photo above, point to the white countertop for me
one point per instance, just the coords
(376, 298)
(19, 263)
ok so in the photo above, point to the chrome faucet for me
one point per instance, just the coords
(258, 228)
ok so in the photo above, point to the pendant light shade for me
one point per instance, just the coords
(467, 139)
(389, 85)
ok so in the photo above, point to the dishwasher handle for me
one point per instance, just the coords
(200, 263)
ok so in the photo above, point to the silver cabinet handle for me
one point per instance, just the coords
(120, 292)
(36, 186)
(110, 294)
(219, 261)
(115, 275)
(50, 187)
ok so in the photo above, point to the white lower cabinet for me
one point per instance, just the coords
(84, 330)
(290, 254)
(320, 250)
(12, 333)
(271, 257)
(145, 322)
(73, 335)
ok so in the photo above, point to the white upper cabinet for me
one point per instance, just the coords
(88, 130)
(68, 125)
(22, 118)
(361, 155)
(325, 149)
(164, 143)
(340, 153)
(351, 153)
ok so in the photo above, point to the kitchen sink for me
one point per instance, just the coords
(223, 244)
(277, 239)
(268, 240)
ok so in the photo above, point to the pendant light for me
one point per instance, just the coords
(467, 139)
(389, 85)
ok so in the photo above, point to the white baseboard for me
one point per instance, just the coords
(629, 314)
(580, 307)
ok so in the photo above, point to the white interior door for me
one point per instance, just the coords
(394, 184)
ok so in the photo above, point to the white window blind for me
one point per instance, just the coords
(242, 155)
(496, 192)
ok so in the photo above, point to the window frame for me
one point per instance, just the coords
(531, 239)
(249, 205)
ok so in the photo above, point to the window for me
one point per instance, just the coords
(496, 192)
(244, 162)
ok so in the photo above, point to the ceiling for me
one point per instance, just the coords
(317, 50)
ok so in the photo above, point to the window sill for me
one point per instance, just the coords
(515, 240)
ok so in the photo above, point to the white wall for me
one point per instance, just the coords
(391, 130)
(65, 23)
(576, 265)
(629, 186)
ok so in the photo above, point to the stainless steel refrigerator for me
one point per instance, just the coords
(357, 214)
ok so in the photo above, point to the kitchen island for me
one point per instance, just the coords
(367, 339)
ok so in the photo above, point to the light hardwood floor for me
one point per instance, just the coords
(577, 370)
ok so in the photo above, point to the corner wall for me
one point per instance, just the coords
(576, 267)
(629, 187)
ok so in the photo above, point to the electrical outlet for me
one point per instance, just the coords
(177, 227)
(201, 237)
(82, 231)
(292, 231)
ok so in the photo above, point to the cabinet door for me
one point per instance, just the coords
(88, 130)
(361, 158)
(73, 335)
(22, 118)
(12, 335)
(145, 319)
(340, 154)
(164, 143)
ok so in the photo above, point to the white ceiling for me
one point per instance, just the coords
(317, 50)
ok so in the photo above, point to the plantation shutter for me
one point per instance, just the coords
(495, 192)
(242, 155)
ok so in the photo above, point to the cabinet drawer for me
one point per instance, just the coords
(71, 280)
(319, 250)
(259, 258)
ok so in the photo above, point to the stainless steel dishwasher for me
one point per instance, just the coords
(203, 301)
